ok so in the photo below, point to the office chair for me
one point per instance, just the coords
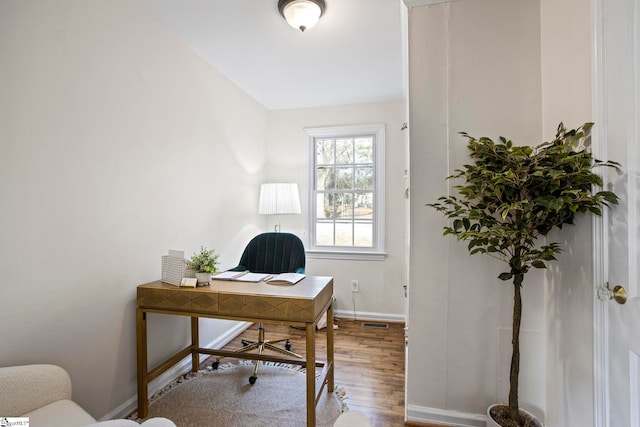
(271, 253)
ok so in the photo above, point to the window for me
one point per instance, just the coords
(346, 192)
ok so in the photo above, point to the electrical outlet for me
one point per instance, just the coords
(355, 286)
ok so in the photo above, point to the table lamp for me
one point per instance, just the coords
(279, 199)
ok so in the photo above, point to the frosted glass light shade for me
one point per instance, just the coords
(279, 199)
(301, 14)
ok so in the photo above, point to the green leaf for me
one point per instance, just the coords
(608, 196)
(505, 276)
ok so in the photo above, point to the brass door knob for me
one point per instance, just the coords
(619, 294)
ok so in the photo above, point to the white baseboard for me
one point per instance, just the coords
(424, 414)
(365, 315)
(178, 369)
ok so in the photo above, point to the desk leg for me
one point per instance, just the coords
(330, 360)
(141, 343)
(311, 374)
(195, 343)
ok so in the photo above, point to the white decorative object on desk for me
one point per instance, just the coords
(203, 278)
(189, 282)
(174, 268)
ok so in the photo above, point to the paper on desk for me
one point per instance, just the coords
(253, 277)
(242, 276)
(229, 275)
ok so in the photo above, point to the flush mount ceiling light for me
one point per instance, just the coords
(301, 14)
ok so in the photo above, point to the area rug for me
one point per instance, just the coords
(224, 398)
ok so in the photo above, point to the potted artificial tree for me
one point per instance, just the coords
(204, 264)
(511, 199)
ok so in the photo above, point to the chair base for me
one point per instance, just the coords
(261, 345)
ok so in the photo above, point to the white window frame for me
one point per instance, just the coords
(377, 251)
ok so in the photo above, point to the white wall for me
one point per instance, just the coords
(474, 66)
(566, 96)
(381, 293)
(116, 144)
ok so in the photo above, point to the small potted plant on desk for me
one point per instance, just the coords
(510, 200)
(204, 264)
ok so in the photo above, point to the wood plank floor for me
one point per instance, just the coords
(369, 364)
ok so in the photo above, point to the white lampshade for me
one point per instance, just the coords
(301, 14)
(279, 199)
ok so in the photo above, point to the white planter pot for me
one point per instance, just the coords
(203, 278)
(492, 423)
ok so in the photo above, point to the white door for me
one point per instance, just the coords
(618, 110)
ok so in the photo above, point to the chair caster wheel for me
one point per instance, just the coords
(215, 365)
(252, 379)
(287, 345)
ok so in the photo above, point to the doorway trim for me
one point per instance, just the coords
(599, 229)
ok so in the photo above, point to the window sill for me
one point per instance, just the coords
(362, 256)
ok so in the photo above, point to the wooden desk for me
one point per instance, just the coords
(302, 304)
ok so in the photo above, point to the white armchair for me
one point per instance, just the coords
(43, 394)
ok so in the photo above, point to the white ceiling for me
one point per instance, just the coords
(353, 55)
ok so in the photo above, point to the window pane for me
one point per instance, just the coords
(363, 208)
(324, 152)
(344, 178)
(363, 234)
(325, 178)
(324, 205)
(342, 206)
(344, 236)
(324, 233)
(364, 150)
(344, 151)
(364, 178)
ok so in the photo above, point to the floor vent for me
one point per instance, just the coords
(375, 325)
